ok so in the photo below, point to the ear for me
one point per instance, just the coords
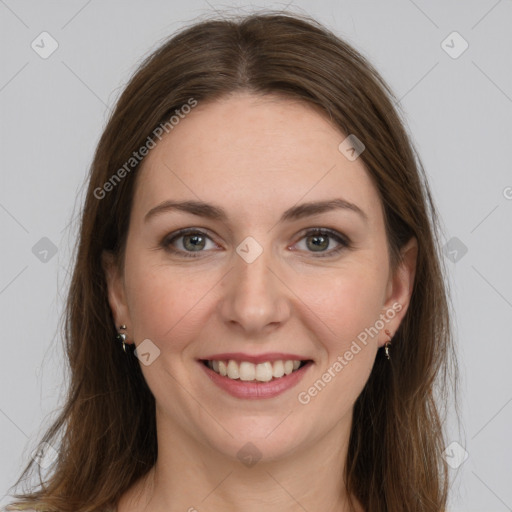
(399, 289)
(116, 290)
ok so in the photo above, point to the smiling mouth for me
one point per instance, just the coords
(249, 372)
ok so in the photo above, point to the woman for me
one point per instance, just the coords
(257, 316)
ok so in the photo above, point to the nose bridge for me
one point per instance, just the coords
(255, 297)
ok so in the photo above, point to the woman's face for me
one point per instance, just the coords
(251, 281)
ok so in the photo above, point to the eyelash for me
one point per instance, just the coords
(342, 240)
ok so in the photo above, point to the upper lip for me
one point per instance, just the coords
(255, 359)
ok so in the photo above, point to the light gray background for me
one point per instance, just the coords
(458, 110)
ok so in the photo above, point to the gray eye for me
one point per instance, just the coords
(323, 242)
(317, 243)
(193, 242)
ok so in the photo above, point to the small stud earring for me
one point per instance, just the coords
(121, 336)
(388, 344)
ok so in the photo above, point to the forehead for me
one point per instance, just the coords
(252, 152)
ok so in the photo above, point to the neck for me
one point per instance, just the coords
(192, 476)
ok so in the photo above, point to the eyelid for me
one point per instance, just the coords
(328, 231)
(343, 241)
(166, 242)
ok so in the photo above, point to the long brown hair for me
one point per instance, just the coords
(106, 432)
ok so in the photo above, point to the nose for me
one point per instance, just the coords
(255, 298)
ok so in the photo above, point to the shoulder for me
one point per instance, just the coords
(34, 508)
(26, 508)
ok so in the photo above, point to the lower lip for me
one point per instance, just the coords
(255, 390)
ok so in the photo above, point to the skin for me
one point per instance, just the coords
(255, 157)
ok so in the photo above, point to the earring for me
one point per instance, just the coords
(121, 336)
(388, 344)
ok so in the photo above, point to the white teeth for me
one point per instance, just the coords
(246, 371)
(278, 370)
(233, 372)
(264, 372)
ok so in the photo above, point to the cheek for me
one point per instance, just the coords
(343, 322)
(165, 303)
(346, 302)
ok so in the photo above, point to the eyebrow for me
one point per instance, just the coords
(296, 212)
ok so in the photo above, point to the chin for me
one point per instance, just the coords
(265, 438)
